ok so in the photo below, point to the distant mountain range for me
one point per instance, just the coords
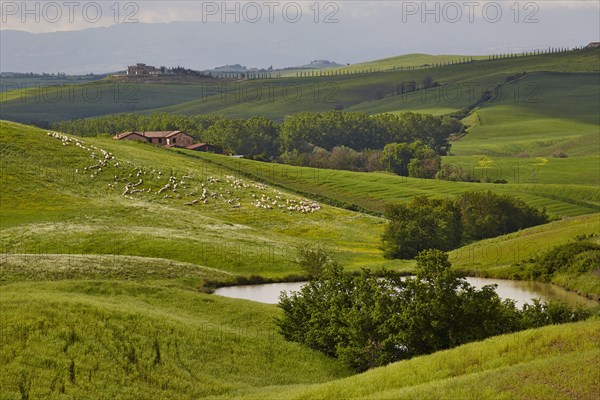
(188, 44)
(356, 38)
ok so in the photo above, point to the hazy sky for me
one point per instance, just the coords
(345, 31)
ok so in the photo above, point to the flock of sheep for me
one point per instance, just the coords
(230, 191)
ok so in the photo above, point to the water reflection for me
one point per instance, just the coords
(520, 291)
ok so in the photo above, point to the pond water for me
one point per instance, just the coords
(520, 291)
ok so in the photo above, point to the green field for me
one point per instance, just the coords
(110, 249)
(371, 191)
(372, 93)
(57, 102)
(405, 61)
(278, 97)
(538, 115)
(15, 83)
(555, 362)
(119, 281)
(50, 204)
(100, 339)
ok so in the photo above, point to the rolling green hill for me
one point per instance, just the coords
(117, 259)
(558, 362)
(278, 97)
(57, 102)
(102, 338)
(538, 115)
(370, 191)
(58, 199)
(405, 61)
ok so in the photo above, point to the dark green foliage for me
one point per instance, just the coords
(260, 138)
(445, 224)
(359, 131)
(487, 214)
(411, 159)
(372, 319)
(539, 314)
(573, 258)
(422, 224)
(425, 165)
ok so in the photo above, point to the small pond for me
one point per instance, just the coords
(520, 291)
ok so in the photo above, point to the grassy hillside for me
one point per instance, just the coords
(494, 256)
(53, 205)
(111, 339)
(54, 202)
(408, 61)
(57, 102)
(10, 84)
(405, 61)
(557, 362)
(543, 170)
(501, 257)
(538, 115)
(105, 261)
(370, 191)
(278, 97)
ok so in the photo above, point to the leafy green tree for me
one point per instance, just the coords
(425, 164)
(312, 259)
(487, 214)
(422, 224)
(396, 157)
(445, 224)
(373, 319)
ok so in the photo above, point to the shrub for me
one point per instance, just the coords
(373, 319)
(454, 173)
(575, 257)
(422, 224)
(444, 224)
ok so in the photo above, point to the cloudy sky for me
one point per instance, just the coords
(285, 33)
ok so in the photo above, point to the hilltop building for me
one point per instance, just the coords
(143, 69)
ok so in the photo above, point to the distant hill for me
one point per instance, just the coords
(318, 64)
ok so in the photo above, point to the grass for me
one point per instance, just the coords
(405, 61)
(11, 84)
(528, 170)
(91, 339)
(103, 294)
(359, 92)
(558, 362)
(278, 97)
(57, 102)
(51, 205)
(538, 115)
(501, 257)
(371, 191)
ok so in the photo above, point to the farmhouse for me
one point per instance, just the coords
(143, 69)
(161, 138)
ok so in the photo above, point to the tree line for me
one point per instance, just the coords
(307, 138)
(407, 144)
(446, 224)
